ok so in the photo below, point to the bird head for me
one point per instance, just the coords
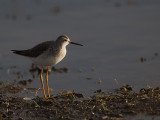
(64, 40)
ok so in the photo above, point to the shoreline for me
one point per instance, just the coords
(117, 104)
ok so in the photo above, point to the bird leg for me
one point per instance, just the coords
(41, 77)
(47, 81)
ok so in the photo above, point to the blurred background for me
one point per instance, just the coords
(121, 41)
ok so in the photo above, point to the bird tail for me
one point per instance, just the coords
(19, 52)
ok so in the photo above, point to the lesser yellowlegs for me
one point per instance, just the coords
(47, 54)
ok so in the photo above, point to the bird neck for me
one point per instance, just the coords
(61, 45)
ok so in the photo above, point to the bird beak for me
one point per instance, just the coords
(76, 43)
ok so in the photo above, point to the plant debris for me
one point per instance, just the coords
(70, 105)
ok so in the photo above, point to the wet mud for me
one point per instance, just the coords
(70, 105)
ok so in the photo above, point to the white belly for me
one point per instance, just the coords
(49, 60)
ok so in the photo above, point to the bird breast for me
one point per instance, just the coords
(48, 59)
(61, 55)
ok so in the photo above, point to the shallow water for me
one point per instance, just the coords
(115, 36)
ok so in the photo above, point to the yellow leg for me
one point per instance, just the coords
(47, 81)
(41, 77)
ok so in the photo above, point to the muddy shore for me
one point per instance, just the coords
(70, 105)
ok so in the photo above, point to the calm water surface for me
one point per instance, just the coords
(115, 36)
